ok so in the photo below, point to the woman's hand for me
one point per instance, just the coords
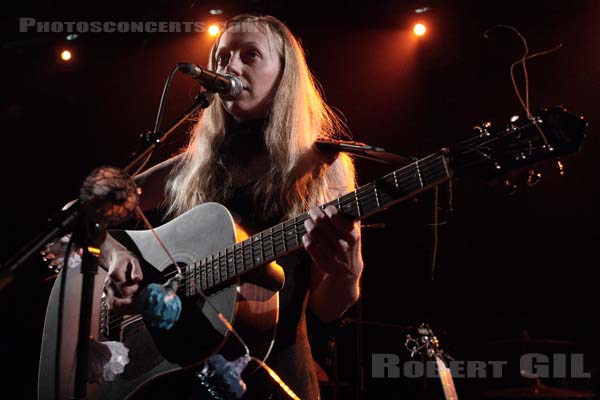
(124, 275)
(333, 243)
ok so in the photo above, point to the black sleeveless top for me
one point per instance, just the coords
(291, 355)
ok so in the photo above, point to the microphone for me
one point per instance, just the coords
(228, 86)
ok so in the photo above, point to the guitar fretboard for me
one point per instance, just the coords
(286, 237)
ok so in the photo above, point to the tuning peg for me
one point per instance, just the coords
(561, 168)
(533, 178)
(512, 126)
(509, 188)
(483, 129)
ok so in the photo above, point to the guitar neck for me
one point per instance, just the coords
(286, 237)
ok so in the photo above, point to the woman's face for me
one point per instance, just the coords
(253, 58)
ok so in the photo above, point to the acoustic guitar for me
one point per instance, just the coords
(239, 273)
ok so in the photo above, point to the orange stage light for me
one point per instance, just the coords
(66, 55)
(419, 29)
(213, 30)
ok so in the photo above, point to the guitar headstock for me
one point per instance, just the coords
(550, 133)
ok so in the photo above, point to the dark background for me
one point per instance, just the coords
(505, 264)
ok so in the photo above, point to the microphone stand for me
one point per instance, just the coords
(90, 237)
(66, 220)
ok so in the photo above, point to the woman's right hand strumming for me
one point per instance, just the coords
(124, 274)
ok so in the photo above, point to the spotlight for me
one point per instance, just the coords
(66, 55)
(213, 30)
(419, 29)
(215, 11)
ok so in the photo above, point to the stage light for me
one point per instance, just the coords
(213, 30)
(419, 29)
(66, 55)
(215, 11)
(72, 36)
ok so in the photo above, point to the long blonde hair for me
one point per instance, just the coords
(299, 177)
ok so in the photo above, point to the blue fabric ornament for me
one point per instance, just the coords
(222, 379)
(159, 304)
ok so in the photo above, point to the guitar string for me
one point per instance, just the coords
(224, 320)
(363, 193)
(366, 189)
(274, 234)
(215, 266)
(275, 238)
(117, 319)
(497, 136)
(220, 315)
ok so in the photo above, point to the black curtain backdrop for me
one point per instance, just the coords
(506, 265)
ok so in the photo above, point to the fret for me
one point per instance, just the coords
(206, 272)
(247, 255)
(187, 283)
(357, 203)
(419, 174)
(222, 267)
(237, 259)
(225, 269)
(445, 163)
(230, 264)
(259, 256)
(251, 252)
(279, 242)
(286, 236)
(300, 227)
(204, 275)
(218, 269)
(283, 237)
(364, 201)
(200, 276)
(296, 230)
(268, 251)
(192, 280)
(262, 245)
(239, 255)
(210, 271)
(272, 241)
(207, 269)
(197, 281)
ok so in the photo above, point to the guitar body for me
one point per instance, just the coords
(251, 305)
